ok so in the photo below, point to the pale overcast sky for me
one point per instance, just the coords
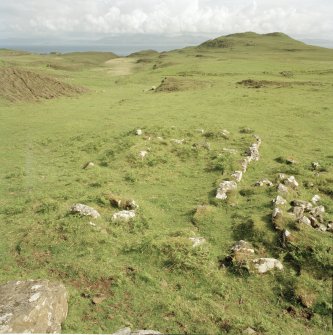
(36, 18)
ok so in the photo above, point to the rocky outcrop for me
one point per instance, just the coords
(33, 306)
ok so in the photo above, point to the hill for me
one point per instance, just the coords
(20, 85)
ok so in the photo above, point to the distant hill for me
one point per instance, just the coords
(274, 40)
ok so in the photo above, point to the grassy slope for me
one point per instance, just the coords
(147, 270)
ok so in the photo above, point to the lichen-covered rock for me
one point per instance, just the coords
(224, 188)
(237, 175)
(84, 210)
(123, 215)
(264, 265)
(33, 306)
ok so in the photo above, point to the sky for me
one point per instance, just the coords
(33, 19)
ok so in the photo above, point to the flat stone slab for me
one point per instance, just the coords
(33, 306)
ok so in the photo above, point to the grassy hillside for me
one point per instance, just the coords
(145, 273)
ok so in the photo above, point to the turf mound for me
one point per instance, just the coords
(21, 85)
(251, 83)
(173, 84)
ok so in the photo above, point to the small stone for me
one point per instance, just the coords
(263, 182)
(98, 299)
(313, 221)
(291, 182)
(88, 165)
(242, 246)
(245, 163)
(315, 165)
(143, 153)
(201, 131)
(279, 201)
(138, 132)
(237, 175)
(282, 189)
(145, 332)
(300, 203)
(84, 210)
(123, 215)
(298, 212)
(92, 224)
(264, 265)
(249, 331)
(123, 331)
(315, 199)
(174, 140)
(291, 161)
(305, 220)
(282, 176)
(225, 133)
(253, 152)
(224, 188)
(197, 241)
(322, 227)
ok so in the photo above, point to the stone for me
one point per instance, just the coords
(279, 201)
(291, 182)
(92, 224)
(84, 210)
(123, 203)
(315, 165)
(307, 206)
(224, 188)
(291, 161)
(245, 163)
(242, 246)
(138, 132)
(225, 133)
(298, 212)
(315, 199)
(33, 306)
(322, 227)
(263, 182)
(249, 331)
(282, 177)
(174, 140)
(305, 220)
(123, 215)
(276, 212)
(123, 331)
(258, 140)
(88, 165)
(201, 131)
(318, 211)
(282, 189)
(253, 152)
(143, 153)
(197, 241)
(145, 332)
(264, 265)
(313, 221)
(237, 175)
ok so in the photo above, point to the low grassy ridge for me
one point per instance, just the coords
(146, 272)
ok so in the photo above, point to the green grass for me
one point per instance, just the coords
(147, 269)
